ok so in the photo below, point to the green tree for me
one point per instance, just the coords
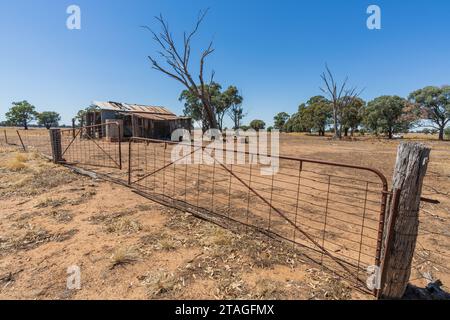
(82, 113)
(194, 108)
(385, 115)
(433, 104)
(312, 115)
(257, 125)
(352, 115)
(280, 120)
(318, 113)
(21, 114)
(295, 122)
(225, 102)
(233, 102)
(48, 119)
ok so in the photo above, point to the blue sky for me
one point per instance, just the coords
(273, 51)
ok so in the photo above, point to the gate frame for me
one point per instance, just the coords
(384, 191)
(57, 141)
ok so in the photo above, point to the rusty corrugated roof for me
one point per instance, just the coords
(157, 116)
(126, 107)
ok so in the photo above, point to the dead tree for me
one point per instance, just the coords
(341, 96)
(177, 63)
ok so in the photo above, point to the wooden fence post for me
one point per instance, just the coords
(55, 140)
(21, 141)
(402, 221)
(73, 128)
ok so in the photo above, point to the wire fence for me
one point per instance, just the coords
(334, 210)
(97, 145)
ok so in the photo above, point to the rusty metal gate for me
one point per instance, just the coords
(97, 145)
(334, 211)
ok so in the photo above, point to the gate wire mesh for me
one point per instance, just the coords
(36, 140)
(334, 211)
(10, 137)
(97, 145)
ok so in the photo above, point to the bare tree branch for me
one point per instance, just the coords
(177, 62)
(340, 95)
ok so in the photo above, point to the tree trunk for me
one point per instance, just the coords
(220, 116)
(390, 133)
(441, 133)
(212, 121)
(403, 219)
(346, 132)
(25, 125)
(337, 133)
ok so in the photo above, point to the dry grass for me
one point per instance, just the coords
(161, 282)
(118, 222)
(16, 163)
(163, 241)
(123, 225)
(167, 245)
(62, 216)
(123, 256)
(50, 202)
(232, 287)
(327, 287)
(28, 175)
(32, 238)
(269, 289)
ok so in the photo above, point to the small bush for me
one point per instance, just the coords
(447, 133)
(123, 256)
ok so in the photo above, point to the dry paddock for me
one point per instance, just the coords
(342, 218)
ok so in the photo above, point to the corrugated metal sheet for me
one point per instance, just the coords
(126, 107)
(154, 116)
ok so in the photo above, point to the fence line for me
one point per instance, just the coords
(334, 212)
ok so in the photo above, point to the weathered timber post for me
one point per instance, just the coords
(73, 128)
(21, 141)
(55, 141)
(402, 221)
